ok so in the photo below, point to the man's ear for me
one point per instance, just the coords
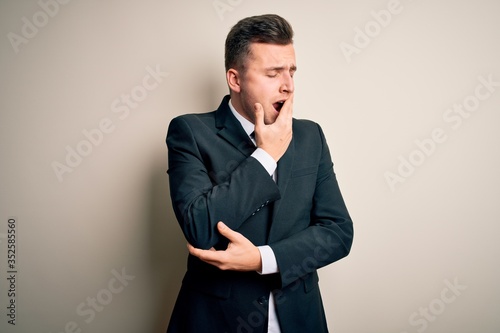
(233, 80)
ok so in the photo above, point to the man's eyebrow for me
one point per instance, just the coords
(281, 68)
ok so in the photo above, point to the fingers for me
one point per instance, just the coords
(240, 255)
(225, 231)
(210, 256)
(259, 115)
(221, 226)
(198, 252)
(287, 109)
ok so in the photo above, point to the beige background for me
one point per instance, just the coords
(436, 226)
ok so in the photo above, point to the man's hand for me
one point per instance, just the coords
(274, 138)
(240, 255)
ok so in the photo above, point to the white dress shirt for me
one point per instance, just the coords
(269, 264)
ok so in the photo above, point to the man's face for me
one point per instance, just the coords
(267, 79)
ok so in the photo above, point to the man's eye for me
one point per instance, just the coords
(272, 75)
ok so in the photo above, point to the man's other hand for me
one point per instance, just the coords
(240, 255)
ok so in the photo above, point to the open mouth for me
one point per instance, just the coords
(278, 105)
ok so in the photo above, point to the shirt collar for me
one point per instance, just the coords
(245, 123)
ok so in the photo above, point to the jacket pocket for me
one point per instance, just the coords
(304, 171)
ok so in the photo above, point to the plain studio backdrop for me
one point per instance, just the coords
(408, 95)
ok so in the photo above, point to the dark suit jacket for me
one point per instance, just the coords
(302, 217)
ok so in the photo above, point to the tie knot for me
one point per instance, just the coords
(252, 137)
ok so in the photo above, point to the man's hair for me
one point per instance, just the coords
(269, 29)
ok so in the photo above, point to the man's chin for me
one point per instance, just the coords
(271, 119)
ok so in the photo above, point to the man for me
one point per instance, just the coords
(256, 197)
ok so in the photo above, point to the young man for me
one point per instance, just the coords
(256, 197)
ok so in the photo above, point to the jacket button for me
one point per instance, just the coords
(262, 300)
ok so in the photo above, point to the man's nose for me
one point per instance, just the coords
(287, 85)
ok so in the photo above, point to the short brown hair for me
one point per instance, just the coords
(269, 28)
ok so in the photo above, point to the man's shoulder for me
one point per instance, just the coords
(205, 117)
(304, 122)
(306, 127)
(196, 116)
(195, 119)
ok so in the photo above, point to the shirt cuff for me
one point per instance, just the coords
(266, 160)
(269, 263)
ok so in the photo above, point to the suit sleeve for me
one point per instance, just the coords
(329, 235)
(198, 201)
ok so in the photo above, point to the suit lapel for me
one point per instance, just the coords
(285, 165)
(230, 129)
